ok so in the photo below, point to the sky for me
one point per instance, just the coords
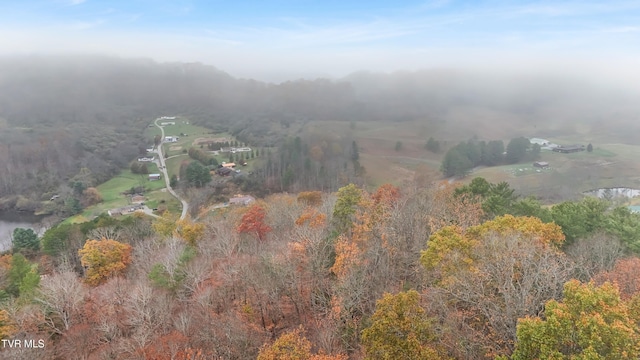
(282, 40)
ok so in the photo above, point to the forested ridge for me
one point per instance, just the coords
(438, 272)
(66, 117)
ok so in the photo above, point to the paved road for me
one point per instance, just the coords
(163, 168)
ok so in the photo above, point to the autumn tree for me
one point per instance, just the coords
(60, 296)
(103, 259)
(166, 224)
(189, 231)
(590, 322)
(289, 346)
(364, 260)
(625, 275)
(399, 329)
(293, 345)
(91, 196)
(446, 207)
(310, 198)
(345, 208)
(253, 222)
(493, 274)
(7, 328)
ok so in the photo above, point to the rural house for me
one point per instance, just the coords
(224, 171)
(566, 149)
(154, 177)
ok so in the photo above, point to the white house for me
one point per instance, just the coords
(154, 177)
(171, 138)
(146, 159)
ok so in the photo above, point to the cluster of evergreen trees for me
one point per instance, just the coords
(460, 159)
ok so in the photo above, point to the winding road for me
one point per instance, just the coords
(163, 168)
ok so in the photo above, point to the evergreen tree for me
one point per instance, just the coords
(589, 148)
(197, 174)
(25, 240)
(433, 145)
(517, 150)
(455, 163)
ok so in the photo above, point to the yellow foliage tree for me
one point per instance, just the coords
(165, 225)
(189, 231)
(293, 346)
(7, 329)
(543, 233)
(103, 259)
(495, 273)
(399, 329)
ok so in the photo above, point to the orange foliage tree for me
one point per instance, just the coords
(104, 259)
(448, 209)
(310, 198)
(253, 222)
(625, 275)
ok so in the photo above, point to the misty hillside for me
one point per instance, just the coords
(61, 114)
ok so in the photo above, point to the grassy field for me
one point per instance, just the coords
(112, 196)
(609, 165)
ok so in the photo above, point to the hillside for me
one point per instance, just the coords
(59, 115)
(438, 272)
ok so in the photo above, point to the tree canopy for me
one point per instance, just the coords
(591, 322)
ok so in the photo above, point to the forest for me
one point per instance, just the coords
(443, 271)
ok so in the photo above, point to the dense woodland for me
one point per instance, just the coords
(70, 119)
(437, 272)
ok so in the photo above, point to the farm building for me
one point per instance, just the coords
(146, 159)
(566, 149)
(171, 138)
(154, 177)
(229, 165)
(125, 210)
(541, 164)
(165, 123)
(541, 142)
(241, 200)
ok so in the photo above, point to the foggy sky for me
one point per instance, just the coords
(276, 41)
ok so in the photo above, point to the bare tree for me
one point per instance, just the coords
(594, 254)
(61, 296)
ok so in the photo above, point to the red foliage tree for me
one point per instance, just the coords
(253, 222)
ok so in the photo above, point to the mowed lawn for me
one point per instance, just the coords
(111, 192)
(113, 189)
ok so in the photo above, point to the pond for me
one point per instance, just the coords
(12, 220)
(609, 193)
